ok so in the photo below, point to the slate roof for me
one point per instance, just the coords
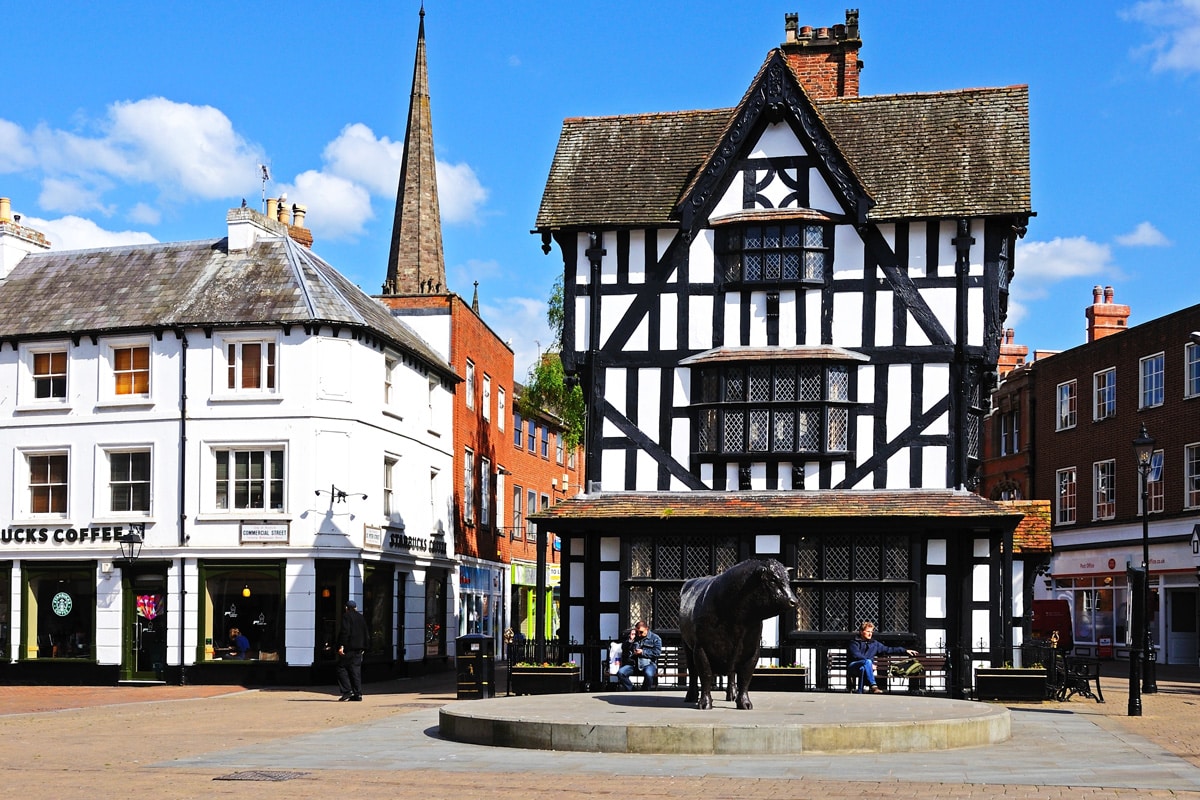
(957, 153)
(586, 510)
(190, 284)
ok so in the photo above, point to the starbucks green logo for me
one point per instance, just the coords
(61, 604)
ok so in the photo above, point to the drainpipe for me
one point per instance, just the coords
(183, 537)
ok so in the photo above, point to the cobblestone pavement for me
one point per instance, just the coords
(207, 741)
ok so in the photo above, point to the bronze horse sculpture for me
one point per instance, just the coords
(720, 620)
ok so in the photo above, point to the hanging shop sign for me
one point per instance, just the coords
(66, 535)
(263, 532)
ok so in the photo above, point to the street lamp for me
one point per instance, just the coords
(1143, 449)
(131, 543)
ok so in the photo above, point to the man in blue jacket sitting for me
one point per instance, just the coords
(639, 654)
(862, 652)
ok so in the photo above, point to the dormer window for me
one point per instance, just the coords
(774, 252)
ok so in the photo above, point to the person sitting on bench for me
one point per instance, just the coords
(861, 654)
(639, 654)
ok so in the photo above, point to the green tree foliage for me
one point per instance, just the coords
(547, 391)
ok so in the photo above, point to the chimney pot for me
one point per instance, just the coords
(822, 33)
(1108, 294)
(1095, 295)
(806, 32)
(5, 209)
(298, 214)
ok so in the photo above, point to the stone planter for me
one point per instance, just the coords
(544, 680)
(779, 679)
(996, 683)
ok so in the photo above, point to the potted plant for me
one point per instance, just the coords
(782, 678)
(527, 677)
(1011, 683)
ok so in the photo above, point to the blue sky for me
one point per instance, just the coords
(136, 121)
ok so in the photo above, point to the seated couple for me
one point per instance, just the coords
(639, 653)
(861, 654)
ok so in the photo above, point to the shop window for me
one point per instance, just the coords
(378, 590)
(1151, 389)
(249, 479)
(248, 598)
(129, 481)
(61, 602)
(435, 615)
(48, 483)
(5, 611)
(1066, 400)
(131, 370)
(1064, 497)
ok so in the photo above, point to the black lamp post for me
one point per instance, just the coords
(1143, 449)
(131, 543)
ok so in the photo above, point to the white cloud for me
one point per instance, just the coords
(1144, 235)
(359, 156)
(460, 194)
(73, 196)
(521, 323)
(15, 152)
(1040, 265)
(145, 214)
(337, 208)
(1177, 47)
(76, 233)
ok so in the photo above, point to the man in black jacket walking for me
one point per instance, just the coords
(352, 643)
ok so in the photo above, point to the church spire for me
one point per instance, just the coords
(416, 264)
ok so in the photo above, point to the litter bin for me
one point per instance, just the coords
(476, 667)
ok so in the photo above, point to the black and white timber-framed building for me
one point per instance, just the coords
(786, 318)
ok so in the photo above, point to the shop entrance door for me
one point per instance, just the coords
(1181, 626)
(144, 642)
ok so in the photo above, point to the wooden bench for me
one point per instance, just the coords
(932, 678)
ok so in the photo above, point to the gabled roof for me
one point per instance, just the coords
(920, 507)
(941, 154)
(190, 284)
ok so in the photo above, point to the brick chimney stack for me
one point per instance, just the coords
(1011, 355)
(1104, 316)
(825, 60)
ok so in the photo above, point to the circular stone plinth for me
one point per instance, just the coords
(785, 723)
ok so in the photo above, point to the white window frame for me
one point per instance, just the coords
(1066, 405)
(487, 397)
(1066, 500)
(1191, 476)
(518, 515)
(1151, 381)
(389, 484)
(227, 451)
(558, 448)
(1155, 489)
(431, 401)
(530, 507)
(24, 493)
(108, 381)
(501, 407)
(27, 391)
(468, 486)
(1104, 489)
(1104, 394)
(485, 490)
(270, 371)
(469, 384)
(1191, 370)
(108, 510)
(389, 380)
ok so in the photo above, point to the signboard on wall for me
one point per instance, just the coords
(255, 532)
(373, 537)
